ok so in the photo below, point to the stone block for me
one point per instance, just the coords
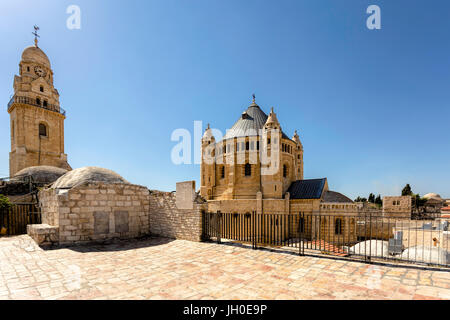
(101, 222)
(121, 219)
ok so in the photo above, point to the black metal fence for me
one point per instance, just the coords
(14, 220)
(365, 237)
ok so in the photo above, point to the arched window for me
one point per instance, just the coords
(248, 169)
(45, 103)
(41, 88)
(285, 171)
(42, 130)
(222, 172)
(38, 101)
(338, 226)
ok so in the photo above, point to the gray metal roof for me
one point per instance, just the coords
(250, 124)
(332, 196)
(307, 189)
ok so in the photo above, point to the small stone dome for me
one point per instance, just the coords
(88, 175)
(35, 54)
(434, 196)
(207, 136)
(40, 174)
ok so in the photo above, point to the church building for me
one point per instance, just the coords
(256, 167)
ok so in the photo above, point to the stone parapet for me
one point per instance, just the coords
(43, 234)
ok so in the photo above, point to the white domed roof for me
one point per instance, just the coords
(40, 174)
(88, 174)
(35, 54)
(432, 196)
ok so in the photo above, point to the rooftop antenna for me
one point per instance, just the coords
(36, 36)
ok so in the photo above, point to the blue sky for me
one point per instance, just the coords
(371, 106)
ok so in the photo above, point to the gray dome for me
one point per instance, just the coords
(88, 175)
(333, 196)
(249, 124)
(40, 174)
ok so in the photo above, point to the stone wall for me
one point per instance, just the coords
(27, 147)
(96, 212)
(397, 206)
(167, 220)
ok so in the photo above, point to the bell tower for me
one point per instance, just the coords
(36, 118)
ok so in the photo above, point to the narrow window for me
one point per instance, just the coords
(45, 103)
(268, 140)
(257, 145)
(41, 88)
(285, 171)
(248, 169)
(38, 101)
(247, 146)
(42, 130)
(237, 146)
(222, 172)
(338, 226)
(28, 69)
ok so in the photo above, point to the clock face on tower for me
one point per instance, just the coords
(39, 71)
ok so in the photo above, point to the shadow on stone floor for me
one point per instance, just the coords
(113, 245)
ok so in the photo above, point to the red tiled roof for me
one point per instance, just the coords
(446, 208)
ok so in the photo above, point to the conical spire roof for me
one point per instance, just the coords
(272, 119)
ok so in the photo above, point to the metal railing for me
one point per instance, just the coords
(34, 102)
(362, 237)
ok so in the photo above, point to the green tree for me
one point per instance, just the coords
(378, 200)
(372, 198)
(407, 190)
(4, 202)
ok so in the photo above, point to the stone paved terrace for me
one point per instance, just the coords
(175, 269)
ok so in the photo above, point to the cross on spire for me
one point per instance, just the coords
(254, 98)
(36, 36)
